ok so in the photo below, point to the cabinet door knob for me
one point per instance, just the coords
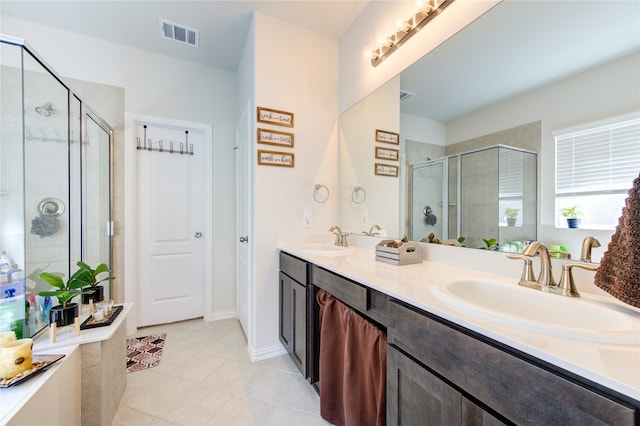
(198, 234)
(244, 239)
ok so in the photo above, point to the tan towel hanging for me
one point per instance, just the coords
(353, 362)
(619, 271)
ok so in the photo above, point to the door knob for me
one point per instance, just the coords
(244, 239)
(198, 234)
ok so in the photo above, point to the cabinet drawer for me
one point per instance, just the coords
(347, 291)
(523, 392)
(378, 303)
(294, 267)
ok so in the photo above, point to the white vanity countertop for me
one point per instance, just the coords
(614, 366)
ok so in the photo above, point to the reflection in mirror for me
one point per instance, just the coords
(473, 192)
(379, 111)
(501, 76)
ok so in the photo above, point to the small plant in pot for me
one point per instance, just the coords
(66, 312)
(491, 243)
(511, 214)
(572, 214)
(94, 283)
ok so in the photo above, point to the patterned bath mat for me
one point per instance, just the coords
(144, 352)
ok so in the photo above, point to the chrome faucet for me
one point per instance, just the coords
(372, 230)
(588, 243)
(545, 279)
(341, 238)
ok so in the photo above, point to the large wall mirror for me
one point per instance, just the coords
(513, 77)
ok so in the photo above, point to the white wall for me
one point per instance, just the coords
(420, 129)
(296, 70)
(157, 85)
(358, 78)
(605, 91)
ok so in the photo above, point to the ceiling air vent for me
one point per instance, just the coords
(404, 95)
(179, 33)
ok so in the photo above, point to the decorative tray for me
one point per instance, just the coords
(107, 320)
(40, 364)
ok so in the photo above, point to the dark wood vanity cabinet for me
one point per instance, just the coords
(440, 373)
(415, 396)
(293, 309)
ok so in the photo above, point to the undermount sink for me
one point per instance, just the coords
(323, 248)
(532, 310)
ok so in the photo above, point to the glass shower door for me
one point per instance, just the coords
(96, 195)
(428, 200)
(46, 184)
(54, 190)
(479, 197)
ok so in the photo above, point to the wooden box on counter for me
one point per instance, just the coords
(408, 253)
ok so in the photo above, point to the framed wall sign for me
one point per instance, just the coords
(387, 137)
(387, 154)
(274, 116)
(274, 158)
(274, 137)
(386, 170)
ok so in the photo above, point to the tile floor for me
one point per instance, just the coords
(206, 378)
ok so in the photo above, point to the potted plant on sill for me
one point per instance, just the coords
(511, 214)
(572, 214)
(98, 291)
(66, 312)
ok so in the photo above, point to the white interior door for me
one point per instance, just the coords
(171, 215)
(243, 203)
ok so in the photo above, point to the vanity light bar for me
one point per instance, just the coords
(428, 10)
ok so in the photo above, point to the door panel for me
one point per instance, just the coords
(171, 213)
(243, 205)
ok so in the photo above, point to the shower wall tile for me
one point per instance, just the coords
(527, 136)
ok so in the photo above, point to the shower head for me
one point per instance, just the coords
(46, 109)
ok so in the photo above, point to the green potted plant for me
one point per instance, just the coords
(491, 243)
(511, 214)
(66, 312)
(98, 291)
(572, 214)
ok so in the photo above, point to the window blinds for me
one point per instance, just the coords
(599, 158)
(511, 166)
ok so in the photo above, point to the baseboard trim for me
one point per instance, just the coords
(266, 353)
(221, 315)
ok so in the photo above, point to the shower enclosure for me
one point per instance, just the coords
(55, 185)
(469, 195)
